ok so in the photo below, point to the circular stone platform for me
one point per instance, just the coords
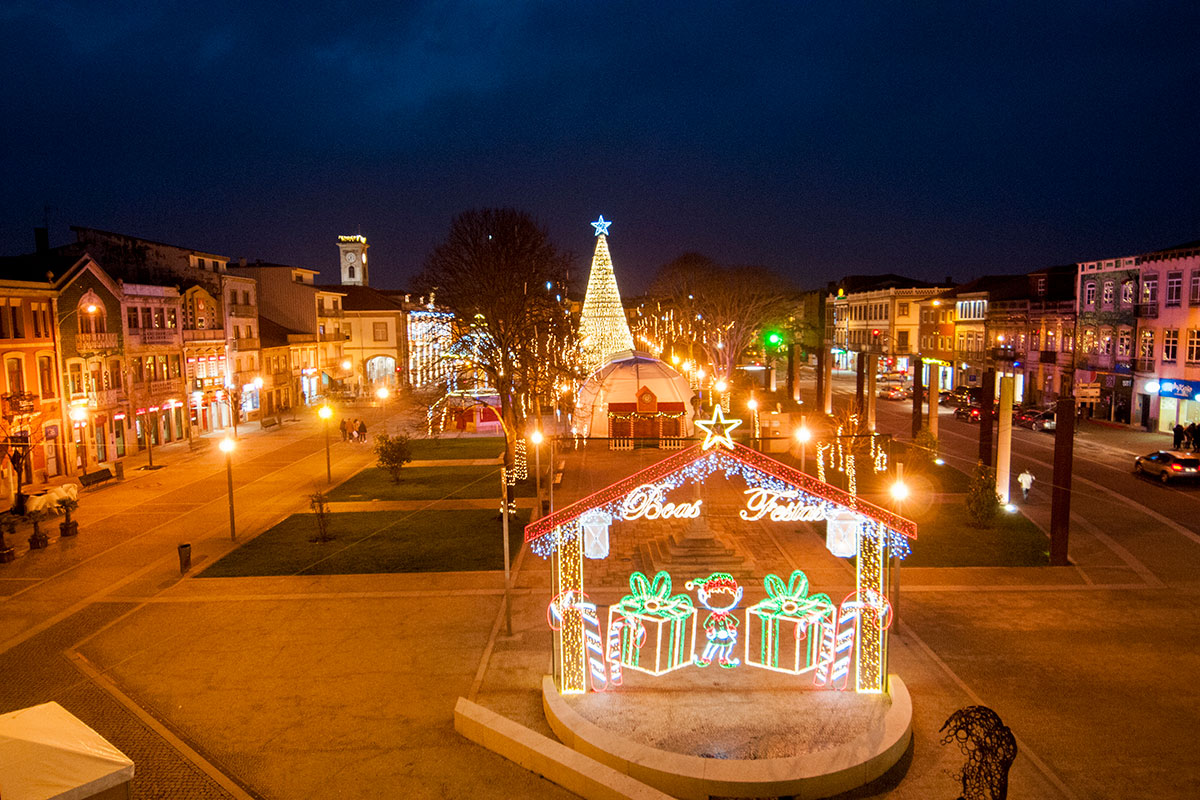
(735, 733)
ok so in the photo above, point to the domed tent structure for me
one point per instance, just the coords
(635, 396)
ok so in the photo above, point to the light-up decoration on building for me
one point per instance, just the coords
(789, 625)
(655, 631)
(841, 535)
(718, 429)
(429, 341)
(880, 534)
(646, 502)
(603, 328)
(720, 594)
(595, 524)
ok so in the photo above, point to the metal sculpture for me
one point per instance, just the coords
(990, 749)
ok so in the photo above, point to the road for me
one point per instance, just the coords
(1092, 666)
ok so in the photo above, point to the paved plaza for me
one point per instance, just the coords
(322, 686)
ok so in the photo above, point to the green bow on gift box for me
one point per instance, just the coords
(653, 598)
(791, 600)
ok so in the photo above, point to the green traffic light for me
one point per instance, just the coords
(774, 338)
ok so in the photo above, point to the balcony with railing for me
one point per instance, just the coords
(245, 344)
(19, 403)
(204, 335)
(1048, 356)
(1003, 354)
(1144, 365)
(243, 310)
(106, 398)
(1146, 310)
(154, 336)
(326, 311)
(163, 388)
(95, 342)
(333, 336)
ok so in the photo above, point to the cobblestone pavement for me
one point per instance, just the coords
(161, 772)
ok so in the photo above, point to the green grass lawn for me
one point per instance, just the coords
(377, 541)
(946, 539)
(937, 479)
(464, 448)
(424, 483)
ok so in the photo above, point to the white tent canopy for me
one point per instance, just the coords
(620, 380)
(48, 753)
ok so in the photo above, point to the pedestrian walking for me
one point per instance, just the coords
(342, 428)
(1189, 436)
(1026, 480)
(362, 431)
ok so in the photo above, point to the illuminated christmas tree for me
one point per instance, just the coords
(603, 329)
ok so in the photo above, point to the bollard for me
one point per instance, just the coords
(185, 558)
(119, 470)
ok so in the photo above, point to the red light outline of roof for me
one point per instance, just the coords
(751, 458)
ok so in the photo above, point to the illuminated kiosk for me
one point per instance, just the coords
(655, 632)
(635, 396)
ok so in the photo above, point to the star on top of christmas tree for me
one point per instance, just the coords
(601, 226)
(717, 429)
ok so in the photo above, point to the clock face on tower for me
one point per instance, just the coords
(350, 258)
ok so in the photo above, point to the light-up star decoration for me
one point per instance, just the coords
(717, 429)
(601, 226)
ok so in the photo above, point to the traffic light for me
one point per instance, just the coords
(875, 336)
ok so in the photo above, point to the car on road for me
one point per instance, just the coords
(896, 393)
(967, 413)
(1036, 419)
(1169, 465)
(962, 396)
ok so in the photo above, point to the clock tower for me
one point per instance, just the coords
(352, 255)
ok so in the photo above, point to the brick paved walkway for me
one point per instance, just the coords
(161, 772)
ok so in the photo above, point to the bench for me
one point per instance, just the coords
(99, 476)
(269, 422)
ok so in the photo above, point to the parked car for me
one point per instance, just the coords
(1036, 419)
(1169, 465)
(896, 393)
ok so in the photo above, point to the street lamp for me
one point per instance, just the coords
(382, 393)
(803, 434)
(326, 413)
(227, 446)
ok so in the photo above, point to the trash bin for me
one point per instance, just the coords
(119, 470)
(185, 557)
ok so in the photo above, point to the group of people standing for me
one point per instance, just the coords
(1186, 438)
(354, 430)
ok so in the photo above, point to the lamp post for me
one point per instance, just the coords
(326, 413)
(382, 395)
(227, 446)
(803, 434)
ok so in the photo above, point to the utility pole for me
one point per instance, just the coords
(918, 394)
(860, 363)
(827, 387)
(872, 368)
(933, 400)
(986, 404)
(1004, 443)
(1060, 496)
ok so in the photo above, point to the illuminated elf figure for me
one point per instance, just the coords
(720, 594)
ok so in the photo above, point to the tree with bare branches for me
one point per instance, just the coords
(725, 307)
(505, 282)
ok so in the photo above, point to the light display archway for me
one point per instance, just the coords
(857, 628)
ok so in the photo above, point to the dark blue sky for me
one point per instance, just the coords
(820, 139)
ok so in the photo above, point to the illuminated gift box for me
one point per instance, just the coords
(783, 632)
(651, 630)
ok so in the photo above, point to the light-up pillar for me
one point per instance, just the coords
(1004, 444)
(872, 592)
(933, 385)
(572, 652)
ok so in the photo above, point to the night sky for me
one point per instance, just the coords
(820, 139)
